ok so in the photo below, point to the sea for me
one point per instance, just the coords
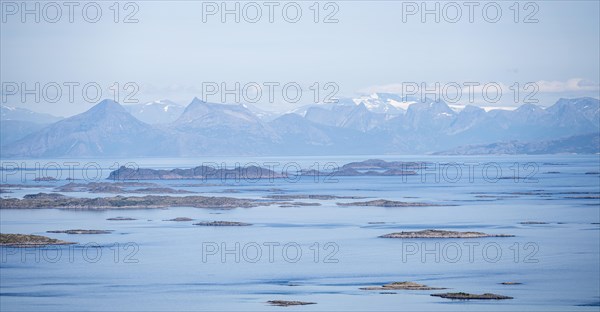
(314, 250)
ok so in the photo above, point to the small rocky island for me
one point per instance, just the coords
(441, 234)
(310, 196)
(402, 286)
(387, 203)
(286, 303)
(24, 240)
(54, 200)
(467, 296)
(121, 219)
(222, 223)
(180, 219)
(45, 179)
(119, 188)
(79, 231)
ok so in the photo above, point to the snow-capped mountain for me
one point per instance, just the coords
(362, 113)
(346, 127)
(380, 103)
(157, 112)
(385, 103)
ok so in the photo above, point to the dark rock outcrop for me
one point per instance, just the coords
(466, 296)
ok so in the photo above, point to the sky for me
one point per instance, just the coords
(179, 50)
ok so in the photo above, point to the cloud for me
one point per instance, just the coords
(571, 85)
(544, 86)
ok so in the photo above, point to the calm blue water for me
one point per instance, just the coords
(322, 254)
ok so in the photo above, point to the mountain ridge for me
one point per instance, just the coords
(106, 129)
(109, 129)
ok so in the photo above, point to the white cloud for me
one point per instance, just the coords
(571, 85)
(545, 86)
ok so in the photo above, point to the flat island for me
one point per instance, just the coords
(121, 219)
(511, 283)
(466, 296)
(286, 303)
(310, 196)
(54, 200)
(402, 286)
(441, 234)
(119, 188)
(180, 219)
(222, 223)
(387, 203)
(79, 231)
(24, 240)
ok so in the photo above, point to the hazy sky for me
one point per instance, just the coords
(170, 52)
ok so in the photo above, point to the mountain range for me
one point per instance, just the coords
(107, 129)
(380, 123)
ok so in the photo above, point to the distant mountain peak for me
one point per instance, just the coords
(203, 114)
(106, 129)
(383, 103)
(107, 105)
(528, 107)
(198, 105)
(196, 100)
(472, 108)
(194, 105)
(438, 106)
(23, 114)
